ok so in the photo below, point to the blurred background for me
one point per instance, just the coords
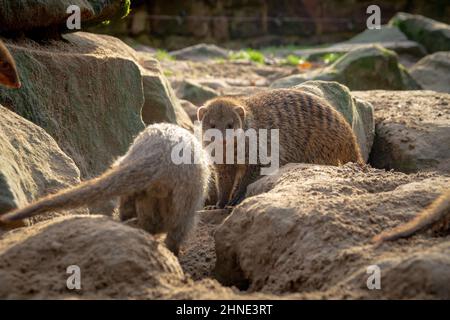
(234, 24)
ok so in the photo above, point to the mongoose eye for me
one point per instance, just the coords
(230, 126)
(213, 126)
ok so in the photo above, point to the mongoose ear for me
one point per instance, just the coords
(240, 111)
(200, 113)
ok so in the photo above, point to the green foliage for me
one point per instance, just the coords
(256, 56)
(220, 60)
(168, 73)
(163, 55)
(126, 8)
(293, 60)
(330, 58)
(248, 54)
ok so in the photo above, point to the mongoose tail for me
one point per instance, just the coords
(435, 215)
(8, 70)
(112, 183)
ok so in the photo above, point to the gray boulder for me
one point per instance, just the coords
(357, 112)
(432, 34)
(32, 165)
(433, 72)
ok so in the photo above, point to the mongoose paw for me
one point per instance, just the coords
(211, 207)
(235, 201)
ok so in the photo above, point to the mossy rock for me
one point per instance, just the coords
(358, 113)
(86, 92)
(366, 68)
(432, 34)
(47, 17)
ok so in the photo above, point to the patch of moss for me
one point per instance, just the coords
(163, 55)
(293, 60)
(248, 54)
(168, 73)
(126, 8)
(330, 58)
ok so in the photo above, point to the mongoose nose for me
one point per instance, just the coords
(18, 85)
(13, 85)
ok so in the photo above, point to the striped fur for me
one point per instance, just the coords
(311, 131)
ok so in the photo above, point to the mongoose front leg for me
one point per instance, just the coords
(179, 233)
(248, 176)
(225, 179)
(127, 207)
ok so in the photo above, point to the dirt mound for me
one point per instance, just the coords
(308, 229)
(412, 130)
(115, 262)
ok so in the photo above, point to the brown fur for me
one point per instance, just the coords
(435, 217)
(311, 131)
(161, 194)
(8, 70)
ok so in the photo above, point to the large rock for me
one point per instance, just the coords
(277, 241)
(31, 163)
(161, 104)
(49, 16)
(366, 68)
(432, 34)
(412, 131)
(433, 72)
(357, 112)
(200, 52)
(86, 92)
(388, 37)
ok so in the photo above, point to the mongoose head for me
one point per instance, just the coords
(8, 70)
(222, 114)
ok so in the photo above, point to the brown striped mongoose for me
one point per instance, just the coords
(310, 131)
(8, 70)
(161, 194)
(435, 217)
